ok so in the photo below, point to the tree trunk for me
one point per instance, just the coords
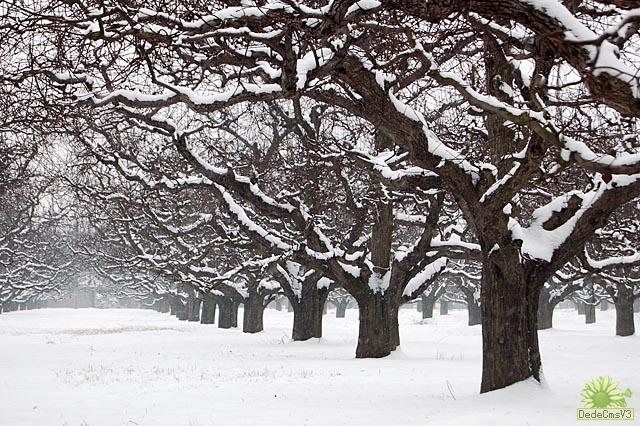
(589, 313)
(307, 323)
(475, 314)
(509, 322)
(624, 319)
(378, 333)
(163, 305)
(178, 308)
(624, 311)
(253, 314)
(227, 312)
(307, 316)
(278, 304)
(181, 309)
(444, 307)
(427, 303)
(545, 310)
(234, 313)
(194, 308)
(341, 309)
(208, 315)
(604, 305)
(182, 313)
(580, 307)
(172, 306)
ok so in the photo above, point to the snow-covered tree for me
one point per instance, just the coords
(520, 110)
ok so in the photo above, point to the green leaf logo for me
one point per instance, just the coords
(603, 392)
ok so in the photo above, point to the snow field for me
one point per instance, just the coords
(135, 367)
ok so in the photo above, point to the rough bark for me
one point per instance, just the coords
(227, 312)
(253, 314)
(624, 311)
(208, 315)
(509, 322)
(307, 312)
(624, 319)
(378, 332)
(545, 310)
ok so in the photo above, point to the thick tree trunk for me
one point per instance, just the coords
(162, 305)
(182, 312)
(589, 313)
(234, 314)
(580, 306)
(307, 311)
(394, 326)
(278, 304)
(208, 315)
(227, 313)
(624, 319)
(545, 311)
(475, 313)
(341, 309)
(444, 307)
(624, 311)
(509, 316)
(194, 308)
(307, 315)
(253, 314)
(427, 303)
(307, 323)
(378, 332)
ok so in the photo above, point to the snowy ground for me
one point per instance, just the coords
(134, 367)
